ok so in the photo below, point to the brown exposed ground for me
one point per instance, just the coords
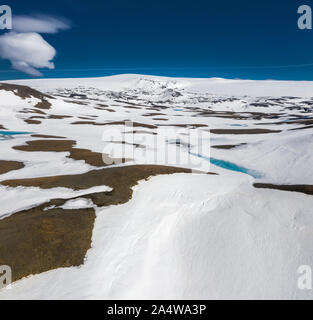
(46, 237)
(36, 117)
(89, 122)
(302, 128)
(131, 107)
(243, 131)
(93, 158)
(52, 116)
(46, 136)
(32, 110)
(141, 132)
(38, 111)
(84, 118)
(44, 104)
(303, 188)
(152, 114)
(55, 116)
(34, 241)
(44, 145)
(118, 178)
(23, 91)
(195, 125)
(159, 106)
(228, 146)
(134, 124)
(101, 105)
(306, 122)
(6, 166)
(30, 121)
(109, 110)
(2, 127)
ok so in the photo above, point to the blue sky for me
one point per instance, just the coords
(199, 38)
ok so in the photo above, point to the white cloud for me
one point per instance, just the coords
(39, 24)
(27, 51)
(25, 47)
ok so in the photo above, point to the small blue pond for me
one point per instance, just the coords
(230, 166)
(10, 134)
(178, 109)
(238, 125)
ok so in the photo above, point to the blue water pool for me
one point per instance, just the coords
(238, 125)
(12, 133)
(6, 135)
(230, 166)
(234, 167)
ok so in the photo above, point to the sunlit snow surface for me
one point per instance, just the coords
(182, 236)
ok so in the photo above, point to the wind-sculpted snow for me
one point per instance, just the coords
(241, 232)
(197, 238)
(49, 235)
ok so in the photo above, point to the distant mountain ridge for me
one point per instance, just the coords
(218, 86)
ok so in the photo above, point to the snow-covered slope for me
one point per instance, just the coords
(189, 237)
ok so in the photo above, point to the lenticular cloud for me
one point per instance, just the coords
(27, 51)
(25, 48)
(39, 24)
